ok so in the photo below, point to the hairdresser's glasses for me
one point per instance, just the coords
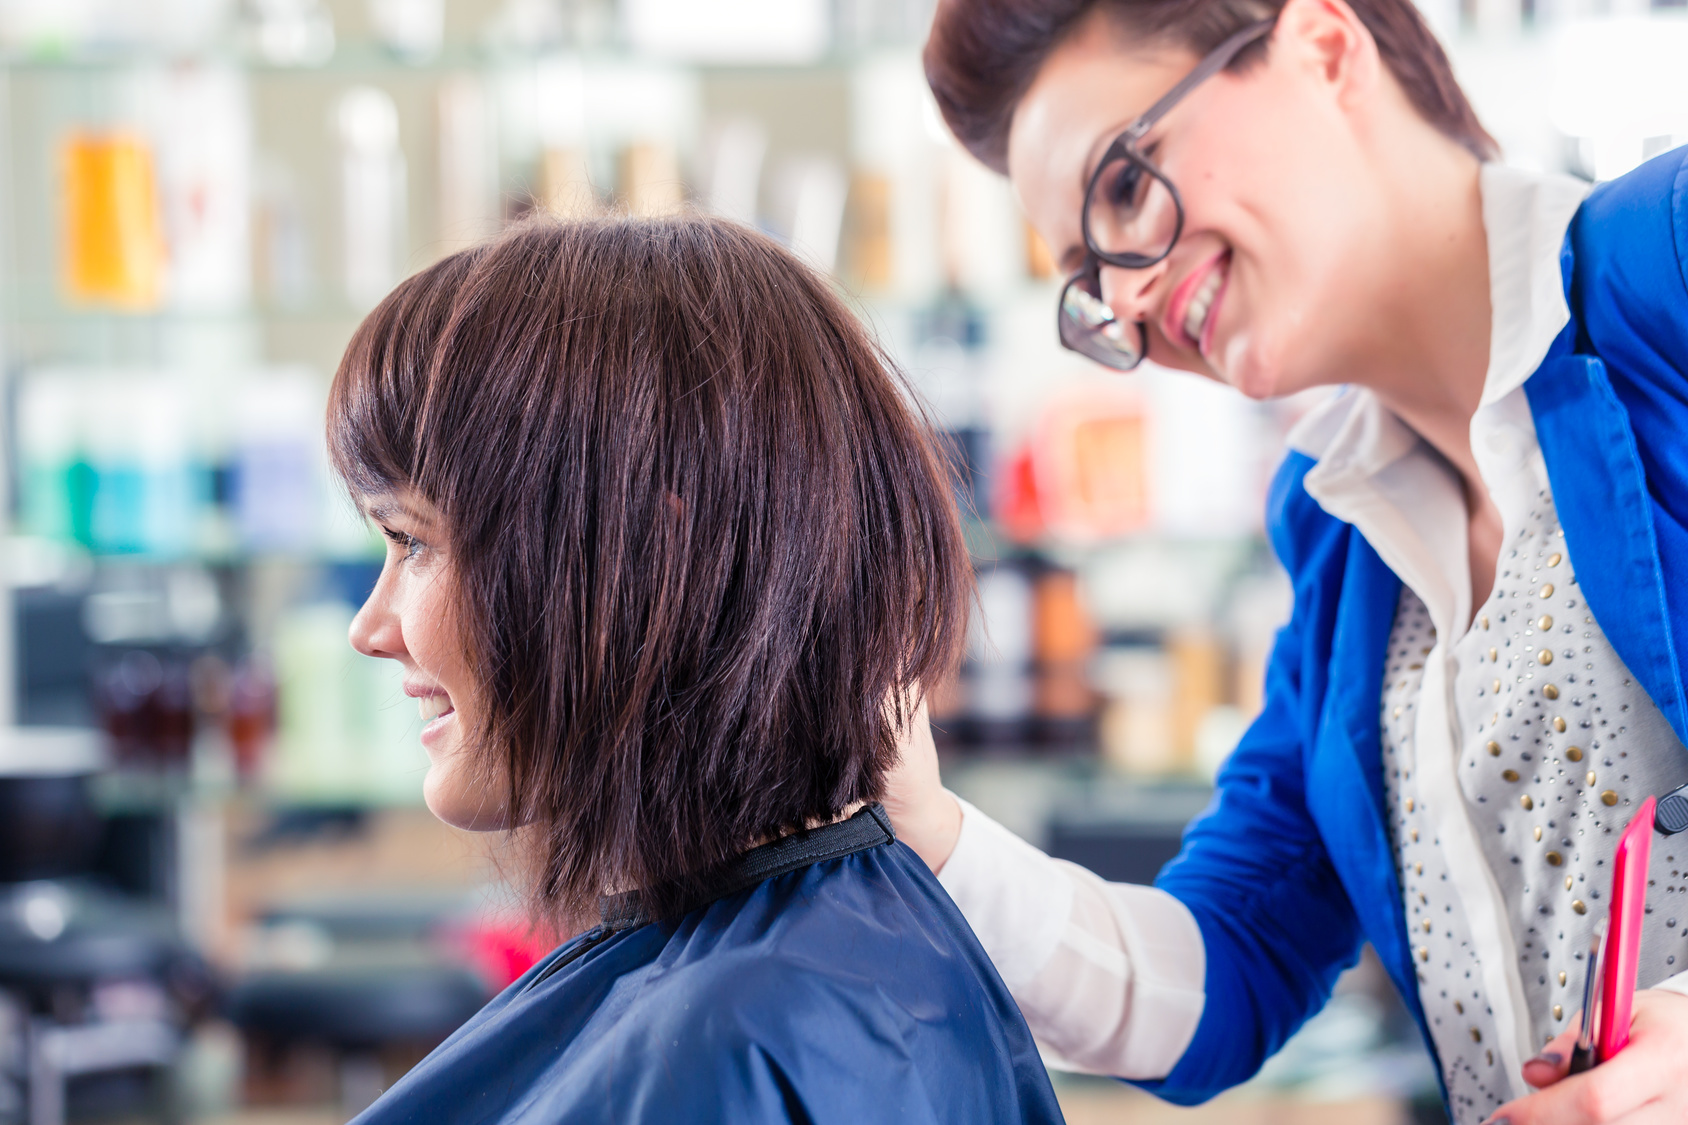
(1132, 218)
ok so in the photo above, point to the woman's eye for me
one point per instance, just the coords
(411, 545)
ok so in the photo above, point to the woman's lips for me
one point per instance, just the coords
(1191, 312)
(434, 729)
(437, 713)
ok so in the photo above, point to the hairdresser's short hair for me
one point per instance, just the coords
(982, 56)
(704, 552)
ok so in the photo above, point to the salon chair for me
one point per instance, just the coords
(365, 980)
(95, 985)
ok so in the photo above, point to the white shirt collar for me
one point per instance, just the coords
(1525, 216)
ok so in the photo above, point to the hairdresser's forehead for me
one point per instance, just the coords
(1089, 89)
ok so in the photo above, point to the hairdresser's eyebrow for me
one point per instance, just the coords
(1093, 155)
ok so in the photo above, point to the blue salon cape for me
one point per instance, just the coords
(1290, 870)
(841, 989)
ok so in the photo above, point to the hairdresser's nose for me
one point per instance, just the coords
(1133, 294)
(376, 629)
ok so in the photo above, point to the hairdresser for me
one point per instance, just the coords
(1486, 531)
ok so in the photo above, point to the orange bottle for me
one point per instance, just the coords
(114, 249)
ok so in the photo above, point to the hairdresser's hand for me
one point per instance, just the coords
(926, 817)
(1647, 1084)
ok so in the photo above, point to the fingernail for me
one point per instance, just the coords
(1498, 1121)
(1551, 1058)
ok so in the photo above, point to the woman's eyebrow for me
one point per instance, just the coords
(384, 512)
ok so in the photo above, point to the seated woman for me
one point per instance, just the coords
(669, 559)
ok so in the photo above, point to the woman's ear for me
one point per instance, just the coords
(1326, 41)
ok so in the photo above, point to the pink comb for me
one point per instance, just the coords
(1623, 940)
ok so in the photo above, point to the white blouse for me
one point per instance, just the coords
(1110, 977)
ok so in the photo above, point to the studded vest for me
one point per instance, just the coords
(1558, 745)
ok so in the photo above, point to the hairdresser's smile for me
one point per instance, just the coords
(1279, 279)
(1193, 310)
(1180, 300)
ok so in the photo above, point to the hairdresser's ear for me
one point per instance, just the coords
(1327, 42)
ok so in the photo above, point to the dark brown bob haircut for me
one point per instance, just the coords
(983, 55)
(704, 553)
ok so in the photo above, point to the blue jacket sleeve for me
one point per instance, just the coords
(1276, 923)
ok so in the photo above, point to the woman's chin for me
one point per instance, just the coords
(464, 805)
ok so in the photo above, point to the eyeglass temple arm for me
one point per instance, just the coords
(1217, 59)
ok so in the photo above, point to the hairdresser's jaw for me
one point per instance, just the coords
(409, 618)
(1280, 239)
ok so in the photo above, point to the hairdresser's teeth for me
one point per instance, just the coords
(1195, 316)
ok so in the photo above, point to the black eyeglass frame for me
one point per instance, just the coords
(1124, 147)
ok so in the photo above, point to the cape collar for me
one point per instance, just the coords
(869, 828)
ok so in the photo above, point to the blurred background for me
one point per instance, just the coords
(220, 896)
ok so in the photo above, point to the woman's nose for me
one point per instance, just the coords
(375, 629)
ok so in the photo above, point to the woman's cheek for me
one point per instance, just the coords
(456, 792)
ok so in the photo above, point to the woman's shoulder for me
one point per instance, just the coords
(837, 989)
(811, 980)
(874, 915)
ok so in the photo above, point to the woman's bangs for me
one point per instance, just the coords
(377, 397)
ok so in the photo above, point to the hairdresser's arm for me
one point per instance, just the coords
(1095, 966)
(1108, 976)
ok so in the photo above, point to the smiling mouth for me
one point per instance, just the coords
(435, 707)
(1201, 304)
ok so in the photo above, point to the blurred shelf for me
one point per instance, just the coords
(363, 59)
(1035, 792)
(133, 789)
(75, 582)
(32, 309)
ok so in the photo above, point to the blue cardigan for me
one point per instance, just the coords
(1290, 869)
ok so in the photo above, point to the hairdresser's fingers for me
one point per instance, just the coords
(925, 816)
(1555, 1058)
(1651, 1072)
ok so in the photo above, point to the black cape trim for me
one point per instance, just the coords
(869, 828)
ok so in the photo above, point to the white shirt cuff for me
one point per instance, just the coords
(1015, 897)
